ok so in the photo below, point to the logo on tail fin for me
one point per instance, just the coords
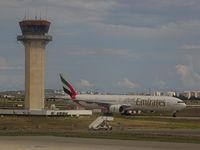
(68, 88)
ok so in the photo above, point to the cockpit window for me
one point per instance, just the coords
(180, 102)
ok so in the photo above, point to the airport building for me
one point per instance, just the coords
(191, 94)
(171, 93)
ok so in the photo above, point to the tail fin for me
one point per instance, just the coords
(68, 89)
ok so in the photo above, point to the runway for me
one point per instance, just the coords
(64, 143)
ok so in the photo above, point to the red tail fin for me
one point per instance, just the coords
(67, 87)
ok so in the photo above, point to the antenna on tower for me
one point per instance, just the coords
(40, 14)
(35, 14)
(24, 15)
(28, 14)
(46, 11)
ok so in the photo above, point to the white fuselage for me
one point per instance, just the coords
(149, 103)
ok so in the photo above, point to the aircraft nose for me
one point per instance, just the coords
(183, 105)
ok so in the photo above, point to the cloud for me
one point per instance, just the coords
(81, 51)
(160, 84)
(84, 83)
(79, 11)
(130, 18)
(144, 31)
(191, 46)
(143, 13)
(3, 63)
(11, 81)
(128, 53)
(121, 52)
(152, 13)
(187, 75)
(127, 83)
(168, 30)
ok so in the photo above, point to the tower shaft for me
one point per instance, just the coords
(34, 74)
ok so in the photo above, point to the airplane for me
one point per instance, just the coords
(124, 104)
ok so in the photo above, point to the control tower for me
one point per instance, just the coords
(34, 38)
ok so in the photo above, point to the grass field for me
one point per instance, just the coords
(132, 128)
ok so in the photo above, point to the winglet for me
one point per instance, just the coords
(67, 87)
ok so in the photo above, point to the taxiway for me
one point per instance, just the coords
(63, 143)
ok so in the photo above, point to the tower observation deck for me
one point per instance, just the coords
(34, 30)
(34, 38)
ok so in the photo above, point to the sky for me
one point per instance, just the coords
(107, 45)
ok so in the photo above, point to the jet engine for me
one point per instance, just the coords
(116, 109)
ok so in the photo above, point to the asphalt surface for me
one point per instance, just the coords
(168, 132)
(63, 143)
